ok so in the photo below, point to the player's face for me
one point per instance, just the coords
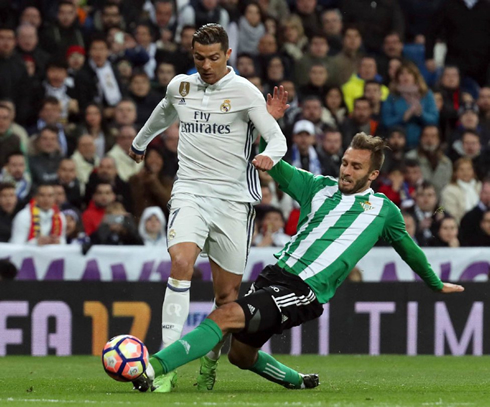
(210, 61)
(355, 171)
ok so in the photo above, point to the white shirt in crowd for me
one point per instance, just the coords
(22, 225)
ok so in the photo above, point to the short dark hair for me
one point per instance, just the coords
(49, 127)
(102, 183)
(273, 209)
(13, 154)
(361, 99)
(472, 132)
(425, 185)
(412, 163)
(211, 34)
(371, 82)
(66, 3)
(6, 185)
(49, 100)
(375, 144)
(57, 63)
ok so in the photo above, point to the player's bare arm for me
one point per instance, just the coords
(449, 288)
(276, 106)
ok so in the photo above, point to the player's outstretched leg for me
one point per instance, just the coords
(145, 382)
(250, 358)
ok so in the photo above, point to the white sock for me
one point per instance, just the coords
(215, 353)
(175, 310)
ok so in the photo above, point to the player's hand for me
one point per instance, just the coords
(277, 104)
(136, 157)
(449, 288)
(263, 162)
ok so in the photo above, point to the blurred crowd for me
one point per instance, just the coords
(78, 78)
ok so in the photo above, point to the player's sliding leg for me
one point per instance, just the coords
(175, 309)
(199, 341)
(247, 357)
(226, 286)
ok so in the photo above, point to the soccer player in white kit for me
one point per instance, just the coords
(212, 199)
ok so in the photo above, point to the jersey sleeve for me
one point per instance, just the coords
(409, 251)
(268, 128)
(160, 119)
(298, 184)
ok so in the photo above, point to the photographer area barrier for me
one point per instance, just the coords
(140, 263)
(65, 318)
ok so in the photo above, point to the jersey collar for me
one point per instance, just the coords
(221, 83)
(368, 191)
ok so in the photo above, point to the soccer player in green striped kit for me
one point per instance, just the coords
(340, 222)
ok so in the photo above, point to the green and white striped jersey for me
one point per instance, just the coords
(334, 230)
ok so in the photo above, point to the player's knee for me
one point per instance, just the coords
(227, 296)
(229, 317)
(182, 267)
(240, 360)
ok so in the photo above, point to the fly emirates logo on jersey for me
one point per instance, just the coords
(203, 124)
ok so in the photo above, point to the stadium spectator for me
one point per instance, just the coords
(466, 37)
(424, 211)
(93, 215)
(435, 165)
(27, 45)
(86, 159)
(275, 72)
(250, 29)
(395, 153)
(31, 16)
(44, 164)
(125, 114)
(15, 127)
(245, 65)
(199, 13)
(126, 167)
(15, 172)
(75, 57)
(468, 120)
(165, 73)
(149, 187)
(311, 109)
(41, 221)
(9, 141)
(354, 87)
(483, 103)
(394, 186)
(345, 63)
(16, 84)
(470, 146)
(60, 197)
(310, 13)
(143, 96)
(295, 41)
(317, 82)
(317, 54)
(373, 92)
(302, 153)
(413, 173)
(410, 104)
(8, 208)
(375, 20)
(144, 38)
(482, 238)
(74, 227)
(107, 173)
(64, 32)
(462, 194)
(152, 226)
(392, 48)
(359, 121)
(452, 99)
(58, 86)
(271, 232)
(67, 178)
(330, 152)
(182, 56)
(98, 81)
(116, 228)
(472, 219)
(165, 24)
(335, 110)
(393, 65)
(109, 16)
(445, 233)
(332, 27)
(50, 115)
(410, 225)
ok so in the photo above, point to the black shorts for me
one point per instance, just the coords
(278, 300)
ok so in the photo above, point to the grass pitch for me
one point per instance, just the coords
(345, 381)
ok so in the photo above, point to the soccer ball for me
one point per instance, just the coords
(124, 358)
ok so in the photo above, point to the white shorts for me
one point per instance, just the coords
(222, 229)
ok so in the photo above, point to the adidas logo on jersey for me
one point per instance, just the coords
(251, 308)
(284, 318)
(186, 345)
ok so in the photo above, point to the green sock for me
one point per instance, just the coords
(192, 346)
(270, 369)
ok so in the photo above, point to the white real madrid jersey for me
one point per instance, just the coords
(217, 124)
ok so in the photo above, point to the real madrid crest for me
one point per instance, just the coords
(184, 88)
(225, 106)
(171, 234)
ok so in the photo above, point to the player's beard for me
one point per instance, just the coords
(359, 185)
